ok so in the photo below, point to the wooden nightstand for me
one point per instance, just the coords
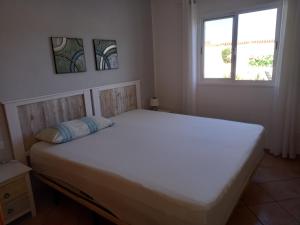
(16, 196)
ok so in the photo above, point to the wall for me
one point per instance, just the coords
(166, 17)
(298, 121)
(298, 111)
(242, 103)
(5, 153)
(251, 104)
(26, 58)
(298, 124)
(27, 68)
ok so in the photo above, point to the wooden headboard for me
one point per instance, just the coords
(28, 116)
(112, 100)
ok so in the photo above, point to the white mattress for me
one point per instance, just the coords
(159, 168)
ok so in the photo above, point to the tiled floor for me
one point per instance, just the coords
(271, 198)
(273, 195)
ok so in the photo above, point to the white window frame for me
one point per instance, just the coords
(234, 15)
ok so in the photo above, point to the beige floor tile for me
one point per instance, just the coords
(255, 194)
(243, 216)
(282, 190)
(273, 214)
(272, 161)
(268, 174)
(292, 206)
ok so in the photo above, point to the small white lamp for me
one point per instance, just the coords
(154, 103)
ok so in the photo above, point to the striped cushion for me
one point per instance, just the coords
(68, 131)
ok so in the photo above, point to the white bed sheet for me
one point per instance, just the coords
(159, 168)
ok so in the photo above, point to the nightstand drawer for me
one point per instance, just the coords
(16, 207)
(13, 189)
(16, 198)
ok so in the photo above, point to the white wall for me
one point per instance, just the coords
(242, 103)
(166, 17)
(297, 135)
(27, 68)
(5, 152)
(26, 58)
(298, 112)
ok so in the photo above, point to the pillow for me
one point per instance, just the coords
(68, 131)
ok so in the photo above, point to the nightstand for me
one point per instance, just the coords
(16, 196)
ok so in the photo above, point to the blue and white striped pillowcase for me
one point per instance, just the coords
(64, 134)
(68, 131)
(91, 123)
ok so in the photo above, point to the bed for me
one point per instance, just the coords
(154, 167)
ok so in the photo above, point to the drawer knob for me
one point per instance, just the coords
(10, 211)
(6, 195)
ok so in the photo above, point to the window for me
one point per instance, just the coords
(218, 46)
(240, 47)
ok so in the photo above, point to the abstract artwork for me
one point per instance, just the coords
(68, 55)
(106, 54)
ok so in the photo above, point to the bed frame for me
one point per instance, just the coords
(26, 117)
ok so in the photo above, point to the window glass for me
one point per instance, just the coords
(217, 48)
(255, 45)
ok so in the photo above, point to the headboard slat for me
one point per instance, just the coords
(27, 117)
(37, 116)
(112, 100)
(118, 100)
(107, 102)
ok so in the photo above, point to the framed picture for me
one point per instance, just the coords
(106, 54)
(68, 55)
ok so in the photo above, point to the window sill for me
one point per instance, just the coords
(258, 84)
